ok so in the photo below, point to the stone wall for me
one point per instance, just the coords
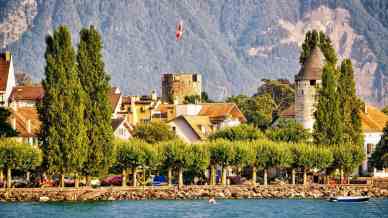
(188, 192)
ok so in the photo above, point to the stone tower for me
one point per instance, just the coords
(307, 82)
(175, 87)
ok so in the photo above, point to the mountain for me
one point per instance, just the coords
(233, 44)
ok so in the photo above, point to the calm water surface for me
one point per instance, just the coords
(226, 208)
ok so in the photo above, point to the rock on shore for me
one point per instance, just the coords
(188, 192)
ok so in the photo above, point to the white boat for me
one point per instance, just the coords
(349, 198)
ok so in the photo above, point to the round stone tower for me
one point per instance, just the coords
(307, 82)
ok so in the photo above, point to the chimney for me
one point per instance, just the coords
(365, 109)
(29, 126)
(13, 123)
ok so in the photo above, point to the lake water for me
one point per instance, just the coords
(197, 209)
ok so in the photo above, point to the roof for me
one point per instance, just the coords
(4, 70)
(288, 112)
(221, 110)
(197, 123)
(373, 120)
(22, 116)
(114, 97)
(27, 93)
(313, 66)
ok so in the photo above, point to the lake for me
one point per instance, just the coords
(197, 209)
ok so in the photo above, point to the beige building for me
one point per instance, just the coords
(307, 82)
(175, 87)
(7, 78)
(195, 122)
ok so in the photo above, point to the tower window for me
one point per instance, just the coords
(313, 82)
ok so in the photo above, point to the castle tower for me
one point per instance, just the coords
(175, 87)
(307, 82)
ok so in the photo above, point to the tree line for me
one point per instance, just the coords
(178, 158)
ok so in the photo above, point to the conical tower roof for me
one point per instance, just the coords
(313, 66)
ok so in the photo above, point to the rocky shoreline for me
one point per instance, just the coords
(187, 193)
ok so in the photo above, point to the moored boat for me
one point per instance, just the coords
(349, 198)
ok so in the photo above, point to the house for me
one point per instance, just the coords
(191, 129)
(25, 120)
(194, 122)
(25, 96)
(121, 128)
(139, 109)
(7, 78)
(373, 122)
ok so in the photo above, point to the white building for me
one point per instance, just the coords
(7, 78)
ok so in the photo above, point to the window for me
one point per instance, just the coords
(174, 129)
(369, 148)
(313, 82)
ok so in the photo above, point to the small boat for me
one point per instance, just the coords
(349, 198)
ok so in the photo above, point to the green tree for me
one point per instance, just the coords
(18, 156)
(257, 109)
(282, 92)
(97, 119)
(130, 155)
(309, 156)
(5, 128)
(328, 127)
(288, 130)
(176, 156)
(314, 38)
(237, 133)
(350, 105)
(63, 133)
(222, 153)
(347, 157)
(200, 161)
(379, 156)
(153, 132)
(270, 154)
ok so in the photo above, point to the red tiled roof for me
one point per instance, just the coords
(4, 70)
(288, 112)
(373, 120)
(34, 93)
(220, 110)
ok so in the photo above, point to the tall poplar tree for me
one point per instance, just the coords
(95, 83)
(350, 104)
(61, 111)
(328, 127)
(314, 38)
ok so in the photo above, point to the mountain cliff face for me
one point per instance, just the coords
(233, 44)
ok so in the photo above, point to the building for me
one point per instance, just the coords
(121, 129)
(175, 87)
(373, 123)
(192, 129)
(307, 82)
(7, 78)
(25, 120)
(139, 109)
(194, 122)
(25, 96)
